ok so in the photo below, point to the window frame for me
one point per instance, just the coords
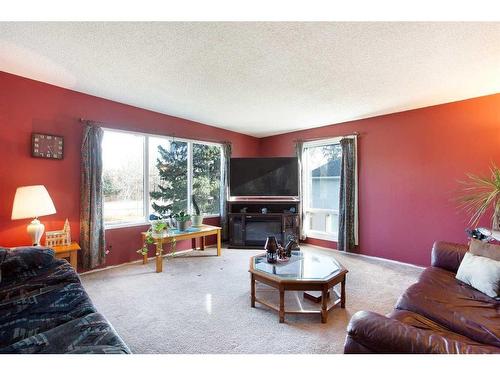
(145, 153)
(307, 189)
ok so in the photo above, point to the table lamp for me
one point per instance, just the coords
(32, 202)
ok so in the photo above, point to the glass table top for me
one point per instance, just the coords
(303, 265)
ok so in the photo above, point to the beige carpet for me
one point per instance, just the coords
(200, 304)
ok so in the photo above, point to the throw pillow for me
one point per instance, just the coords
(481, 273)
(484, 249)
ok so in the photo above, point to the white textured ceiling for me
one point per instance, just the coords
(261, 78)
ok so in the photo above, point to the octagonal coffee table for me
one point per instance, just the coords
(304, 271)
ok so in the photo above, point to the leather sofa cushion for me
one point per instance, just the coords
(454, 305)
(447, 255)
(421, 322)
(379, 334)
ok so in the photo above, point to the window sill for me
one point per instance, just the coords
(210, 216)
(322, 236)
(125, 225)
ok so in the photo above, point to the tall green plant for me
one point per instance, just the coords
(481, 193)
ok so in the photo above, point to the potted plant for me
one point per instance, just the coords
(157, 229)
(181, 219)
(481, 193)
(148, 240)
(196, 220)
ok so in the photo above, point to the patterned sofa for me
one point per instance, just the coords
(45, 309)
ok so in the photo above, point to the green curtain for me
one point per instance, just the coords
(91, 198)
(226, 157)
(347, 237)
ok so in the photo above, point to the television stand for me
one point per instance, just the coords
(251, 221)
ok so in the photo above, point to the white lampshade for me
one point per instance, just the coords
(32, 201)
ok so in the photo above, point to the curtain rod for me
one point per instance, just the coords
(357, 134)
(171, 135)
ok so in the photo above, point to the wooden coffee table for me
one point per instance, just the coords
(304, 271)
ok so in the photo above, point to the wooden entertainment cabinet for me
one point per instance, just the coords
(249, 226)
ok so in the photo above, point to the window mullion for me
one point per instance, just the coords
(146, 178)
(189, 176)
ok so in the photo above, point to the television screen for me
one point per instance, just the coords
(264, 177)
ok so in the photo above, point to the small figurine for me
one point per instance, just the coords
(282, 254)
(291, 245)
(59, 237)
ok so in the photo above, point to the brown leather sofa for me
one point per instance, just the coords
(438, 314)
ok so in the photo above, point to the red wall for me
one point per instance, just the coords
(28, 106)
(409, 164)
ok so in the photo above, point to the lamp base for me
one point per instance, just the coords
(35, 229)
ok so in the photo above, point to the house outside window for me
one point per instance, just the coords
(321, 174)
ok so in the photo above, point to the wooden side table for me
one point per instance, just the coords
(68, 251)
(205, 230)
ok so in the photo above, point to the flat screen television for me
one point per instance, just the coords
(264, 177)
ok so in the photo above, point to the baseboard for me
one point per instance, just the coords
(213, 246)
(365, 256)
(140, 260)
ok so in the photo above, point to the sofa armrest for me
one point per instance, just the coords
(448, 255)
(22, 259)
(376, 333)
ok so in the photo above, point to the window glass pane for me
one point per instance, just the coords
(206, 178)
(168, 178)
(322, 188)
(123, 173)
(324, 175)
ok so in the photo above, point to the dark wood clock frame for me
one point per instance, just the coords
(38, 150)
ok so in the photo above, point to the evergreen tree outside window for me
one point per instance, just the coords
(170, 193)
(207, 177)
(165, 172)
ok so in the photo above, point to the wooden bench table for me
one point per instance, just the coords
(205, 230)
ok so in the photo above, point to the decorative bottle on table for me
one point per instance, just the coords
(271, 248)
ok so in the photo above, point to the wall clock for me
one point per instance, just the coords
(47, 146)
